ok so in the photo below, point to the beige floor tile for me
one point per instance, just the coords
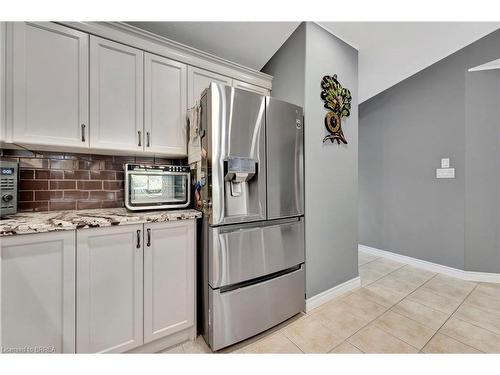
(408, 330)
(483, 301)
(435, 301)
(238, 347)
(363, 307)
(425, 315)
(364, 258)
(489, 289)
(482, 318)
(311, 336)
(198, 346)
(390, 263)
(273, 344)
(384, 297)
(340, 319)
(368, 275)
(346, 348)
(450, 286)
(443, 344)
(384, 265)
(374, 340)
(396, 284)
(413, 275)
(174, 350)
(469, 334)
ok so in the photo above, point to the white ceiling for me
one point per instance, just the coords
(250, 44)
(389, 52)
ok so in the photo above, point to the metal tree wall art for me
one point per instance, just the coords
(338, 100)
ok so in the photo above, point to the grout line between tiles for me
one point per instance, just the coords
(454, 311)
(394, 312)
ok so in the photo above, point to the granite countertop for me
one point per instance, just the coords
(52, 221)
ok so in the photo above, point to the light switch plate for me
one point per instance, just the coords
(445, 163)
(445, 173)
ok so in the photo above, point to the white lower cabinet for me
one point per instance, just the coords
(109, 289)
(169, 298)
(37, 289)
(123, 303)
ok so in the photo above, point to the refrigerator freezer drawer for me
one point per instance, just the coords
(245, 312)
(244, 252)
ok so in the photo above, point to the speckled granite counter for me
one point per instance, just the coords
(52, 221)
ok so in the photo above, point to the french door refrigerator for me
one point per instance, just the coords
(251, 249)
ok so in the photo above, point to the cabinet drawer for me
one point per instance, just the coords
(247, 311)
(244, 252)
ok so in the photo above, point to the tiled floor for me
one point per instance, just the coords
(398, 309)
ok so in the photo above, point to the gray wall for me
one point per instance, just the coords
(330, 169)
(404, 132)
(482, 183)
(287, 66)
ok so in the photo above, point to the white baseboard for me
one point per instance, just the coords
(433, 267)
(328, 295)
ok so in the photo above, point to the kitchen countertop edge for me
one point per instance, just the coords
(56, 221)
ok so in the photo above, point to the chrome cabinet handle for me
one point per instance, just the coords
(138, 238)
(83, 132)
(148, 139)
(139, 133)
(149, 237)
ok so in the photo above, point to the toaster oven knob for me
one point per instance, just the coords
(7, 197)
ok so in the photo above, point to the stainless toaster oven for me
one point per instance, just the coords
(150, 187)
(8, 187)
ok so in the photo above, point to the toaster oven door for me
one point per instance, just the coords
(157, 190)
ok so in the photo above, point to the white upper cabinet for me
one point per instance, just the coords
(3, 130)
(250, 87)
(109, 289)
(37, 292)
(66, 90)
(199, 80)
(49, 90)
(165, 105)
(116, 96)
(169, 274)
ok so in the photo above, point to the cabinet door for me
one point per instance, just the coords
(169, 277)
(116, 96)
(38, 292)
(109, 289)
(165, 96)
(249, 87)
(199, 80)
(49, 85)
(3, 130)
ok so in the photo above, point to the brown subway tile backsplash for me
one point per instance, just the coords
(33, 206)
(76, 175)
(41, 174)
(27, 174)
(33, 185)
(55, 205)
(89, 185)
(65, 181)
(26, 196)
(62, 185)
(46, 195)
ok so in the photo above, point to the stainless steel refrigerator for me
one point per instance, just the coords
(251, 245)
